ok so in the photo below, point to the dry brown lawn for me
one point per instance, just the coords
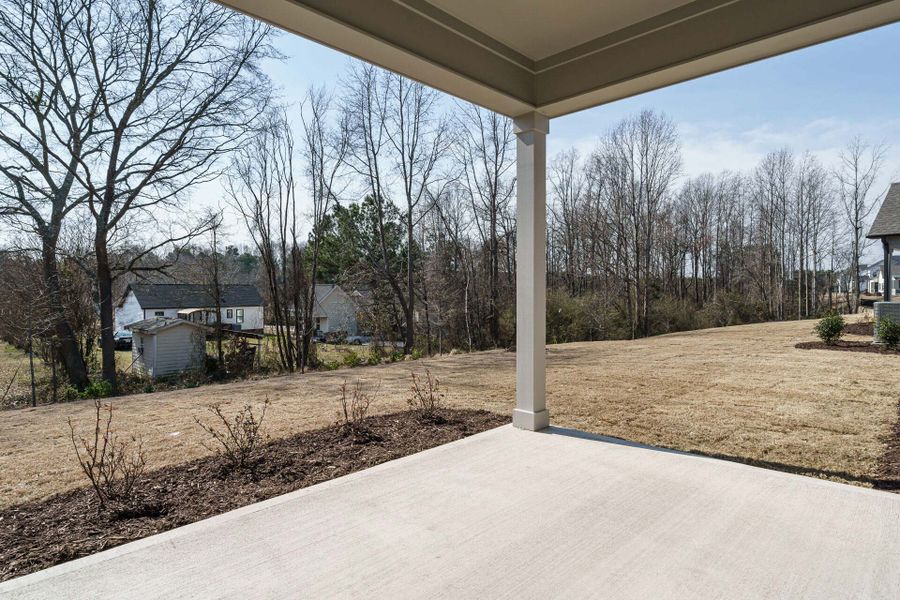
(740, 392)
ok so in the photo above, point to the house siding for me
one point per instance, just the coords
(341, 313)
(170, 351)
(178, 349)
(129, 312)
(143, 349)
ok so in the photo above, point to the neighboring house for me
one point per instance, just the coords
(242, 305)
(874, 273)
(335, 310)
(163, 346)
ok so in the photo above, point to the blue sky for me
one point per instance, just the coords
(814, 99)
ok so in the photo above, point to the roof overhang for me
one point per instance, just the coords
(547, 60)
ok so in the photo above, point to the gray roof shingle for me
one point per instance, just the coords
(155, 324)
(192, 295)
(887, 221)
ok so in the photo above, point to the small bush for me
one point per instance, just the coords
(69, 393)
(375, 354)
(426, 396)
(396, 355)
(830, 328)
(97, 389)
(239, 357)
(889, 332)
(354, 408)
(331, 365)
(352, 359)
(113, 465)
(238, 439)
(416, 354)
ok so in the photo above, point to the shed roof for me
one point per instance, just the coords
(887, 221)
(156, 324)
(192, 295)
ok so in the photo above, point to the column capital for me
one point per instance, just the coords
(532, 121)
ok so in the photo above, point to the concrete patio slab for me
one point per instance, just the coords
(515, 514)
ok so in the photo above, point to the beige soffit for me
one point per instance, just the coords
(561, 56)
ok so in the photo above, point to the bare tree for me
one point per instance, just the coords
(262, 188)
(419, 138)
(325, 149)
(47, 127)
(485, 151)
(855, 174)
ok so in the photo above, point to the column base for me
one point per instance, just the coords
(532, 421)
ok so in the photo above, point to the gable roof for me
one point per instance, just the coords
(156, 324)
(192, 295)
(878, 265)
(887, 221)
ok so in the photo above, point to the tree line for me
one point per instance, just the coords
(112, 113)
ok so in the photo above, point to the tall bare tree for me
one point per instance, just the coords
(262, 187)
(47, 127)
(485, 151)
(855, 175)
(179, 86)
(325, 148)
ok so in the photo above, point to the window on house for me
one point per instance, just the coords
(159, 313)
(240, 315)
(229, 313)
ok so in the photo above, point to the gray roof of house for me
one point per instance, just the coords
(877, 265)
(887, 221)
(157, 324)
(192, 295)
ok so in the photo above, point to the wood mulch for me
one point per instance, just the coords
(41, 534)
(848, 346)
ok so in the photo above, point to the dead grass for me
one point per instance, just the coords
(741, 392)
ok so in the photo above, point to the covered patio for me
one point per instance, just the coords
(514, 514)
(511, 512)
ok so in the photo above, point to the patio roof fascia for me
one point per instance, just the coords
(420, 41)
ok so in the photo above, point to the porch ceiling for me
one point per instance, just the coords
(514, 56)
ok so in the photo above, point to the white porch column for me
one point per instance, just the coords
(531, 229)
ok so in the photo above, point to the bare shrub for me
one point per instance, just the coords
(113, 465)
(426, 396)
(239, 438)
(354, 409)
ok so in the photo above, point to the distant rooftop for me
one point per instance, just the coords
(156, 324)
(193, 295)
(887, 222)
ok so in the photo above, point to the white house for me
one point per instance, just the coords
(164, 346)
(335, 310)
(242, 305)
(875, 275)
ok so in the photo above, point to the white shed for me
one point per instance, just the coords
(164, 346)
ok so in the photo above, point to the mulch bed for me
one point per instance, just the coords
(41, 534)
(848, 346)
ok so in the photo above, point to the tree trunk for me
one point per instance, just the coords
(68, 346)
(105, 301)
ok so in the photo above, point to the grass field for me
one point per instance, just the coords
(740, 392)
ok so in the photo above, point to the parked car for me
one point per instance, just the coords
(319, 338)
(122, 340)
(359, 340)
